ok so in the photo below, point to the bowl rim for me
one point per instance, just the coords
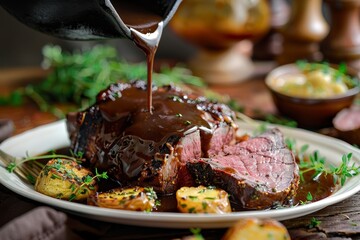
(352, 92)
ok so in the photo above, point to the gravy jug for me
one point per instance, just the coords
(89, 19)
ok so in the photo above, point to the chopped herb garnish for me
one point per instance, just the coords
(150, 192)
(280, 120)
(54, 176)
(31, 179)
(187, 122)
(11, 167)
(210, 198)
(197, 233)
(175, 98)
(309, 197)
(204, 205)
(314, 223)
(202, 190)
(191, 210)
(87, 182)
(72, 197)
(291, 144)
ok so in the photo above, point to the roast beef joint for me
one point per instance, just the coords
(187, 140)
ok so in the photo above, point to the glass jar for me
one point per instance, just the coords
(221, 23)
(218, 28)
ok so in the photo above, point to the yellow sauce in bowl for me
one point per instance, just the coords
(313, 81)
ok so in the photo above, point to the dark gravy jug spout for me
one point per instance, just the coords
(84, 19)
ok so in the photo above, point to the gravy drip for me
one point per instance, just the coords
(146, 25)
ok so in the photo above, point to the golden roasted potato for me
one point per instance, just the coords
(202, 200)
(66, 179)
(133, 198)
(253, 228)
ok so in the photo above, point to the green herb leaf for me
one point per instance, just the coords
(309, 197)
(314, 223)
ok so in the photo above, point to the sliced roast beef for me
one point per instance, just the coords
(119, 135)
(258, 173)
(186, 141)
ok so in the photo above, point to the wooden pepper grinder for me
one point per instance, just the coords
(343, 42)
(303, 32)
(269, 46)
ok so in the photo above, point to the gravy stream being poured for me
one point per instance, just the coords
(146, 25)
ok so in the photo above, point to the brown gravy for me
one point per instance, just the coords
(175, 115)
(319, 189)
(171, 116)
(146, 24)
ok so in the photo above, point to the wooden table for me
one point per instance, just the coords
(340, 221)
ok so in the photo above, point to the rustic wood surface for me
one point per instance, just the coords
(340, 221)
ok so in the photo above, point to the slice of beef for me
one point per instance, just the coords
(135, 147)
(258, 173)
(347, 124)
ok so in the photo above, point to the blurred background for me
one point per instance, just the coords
(285, 32)
(21, 46)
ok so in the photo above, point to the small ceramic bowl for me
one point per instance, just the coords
(311, 113)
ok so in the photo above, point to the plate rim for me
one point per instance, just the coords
(165, 219)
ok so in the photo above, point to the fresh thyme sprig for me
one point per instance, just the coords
(30, 167)
(345, 170)
(14, 164)
(271, 118)
(317, 163)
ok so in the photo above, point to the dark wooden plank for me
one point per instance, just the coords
(339, 220)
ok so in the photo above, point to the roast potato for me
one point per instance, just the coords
(253, 228)
(133, 198)
(202, 199)
(66, 179)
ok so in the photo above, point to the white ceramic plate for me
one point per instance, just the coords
(54, 136)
